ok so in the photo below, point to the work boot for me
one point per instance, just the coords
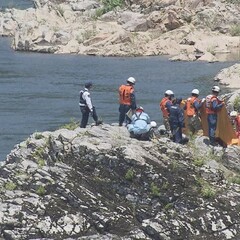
(98, 122)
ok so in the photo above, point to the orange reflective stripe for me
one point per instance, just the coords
(163, 106)
(125, 94)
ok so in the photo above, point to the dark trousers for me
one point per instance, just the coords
(212, 126)
(123, 109)
(176, 133)
(85, 115)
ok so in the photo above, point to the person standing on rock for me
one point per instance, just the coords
(192, 106)
(213, 105)
(176, 121)
(127, 100)
(86, 106)
(165, 105)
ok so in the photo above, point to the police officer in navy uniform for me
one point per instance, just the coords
(86, 106)
(176, 120)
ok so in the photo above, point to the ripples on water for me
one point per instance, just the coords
(40, 92)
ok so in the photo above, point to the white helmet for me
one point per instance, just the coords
(216, 89)
(140, 108)
(131, 80)
(195, 91)
(233, 113)
(153, 124)
(169, 92)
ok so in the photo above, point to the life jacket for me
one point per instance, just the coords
(209, 100)
(82, 102)
(190, 109)
(125, 94)
(163, 106)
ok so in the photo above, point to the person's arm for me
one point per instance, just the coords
(87, 98)
(168, 105)
(133, 101)
(197, 105)
(216, 106)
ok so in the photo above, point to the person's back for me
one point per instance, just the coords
(140, 123)
(176, 116)
(176, 120)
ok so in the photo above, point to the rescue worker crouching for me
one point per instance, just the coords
(140, 126)
(165, 105)
(176, 120)
(86, 106)
(192, 106)
(127, 100)
(213, 105)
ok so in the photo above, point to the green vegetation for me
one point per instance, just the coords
(168, 206)
(129, 174)
(38, 136)
(39, 156)
(10, 186)
(206, 190)
(236, 103)
(108, 5)
(235, 179)
(41, 191)
(198, 162)
(165, 186)
(155, 192)
(72, 125)
(235, 29)
(234, 1)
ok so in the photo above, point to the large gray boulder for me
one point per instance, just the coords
(98, 183)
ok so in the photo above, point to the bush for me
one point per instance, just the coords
(235, 30)
(10, 186)
(236, 104)
(155, 190)
(72, 125)
(41, 191)
(129, 174)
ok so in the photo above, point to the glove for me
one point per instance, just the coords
(203, 100)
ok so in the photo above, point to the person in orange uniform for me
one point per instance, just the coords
(127, 100)
(193, 104)
(213, 105)
(165, 106)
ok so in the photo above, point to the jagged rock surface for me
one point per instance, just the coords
(97, 183)
(187, 30)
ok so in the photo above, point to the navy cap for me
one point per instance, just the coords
(88, 84)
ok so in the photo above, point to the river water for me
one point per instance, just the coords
(41, 91)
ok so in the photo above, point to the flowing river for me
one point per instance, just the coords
(40, 92)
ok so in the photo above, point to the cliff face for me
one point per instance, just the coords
(187, 30)
(97, 183)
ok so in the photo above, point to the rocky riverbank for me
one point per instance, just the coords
(97, 183)
(186, 30)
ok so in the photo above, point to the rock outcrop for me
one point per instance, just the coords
(97, 183)
(229, 76)
(186, 30)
